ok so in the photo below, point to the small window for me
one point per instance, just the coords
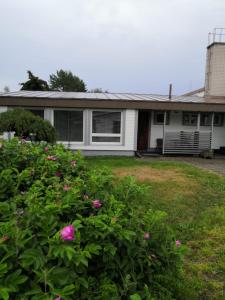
(37, 112)
(159, 118)
(69, 125)
(106, 127)
(190, 118)
(218, 119)
(206, 119)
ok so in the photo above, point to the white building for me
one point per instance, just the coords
(121, 124)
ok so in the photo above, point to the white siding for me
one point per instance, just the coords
(175, 124)
(3, 109)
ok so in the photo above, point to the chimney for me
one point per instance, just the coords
(170, 91)
(215, 64)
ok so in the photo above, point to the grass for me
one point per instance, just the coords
(195, 204)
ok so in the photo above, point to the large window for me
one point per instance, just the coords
(69, 125)
(190, 118)
(106, 127)
(206, 119)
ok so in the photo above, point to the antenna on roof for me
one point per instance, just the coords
(170, 91)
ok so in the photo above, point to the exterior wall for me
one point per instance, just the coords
(175, 124)
(215, 70)
(3, 109)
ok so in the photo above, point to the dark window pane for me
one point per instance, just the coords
(69, 125)
(218, 119)
(37, 112)
(106, 122)
(159, 118)
(206, 119)
(190, 118)
(106, 139)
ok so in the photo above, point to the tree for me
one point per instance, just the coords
(34, 83)
(66, 81)
(6, 89)
(98, 90)
(24, 123)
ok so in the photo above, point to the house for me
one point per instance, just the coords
(121, 124)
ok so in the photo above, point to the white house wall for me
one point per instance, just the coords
(175, 124)
(3, 109)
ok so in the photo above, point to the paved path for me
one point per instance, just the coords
(216, 164)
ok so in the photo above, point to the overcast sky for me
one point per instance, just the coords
(119, 45)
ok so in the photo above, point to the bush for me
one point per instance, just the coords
(112, 254)
(24, 123)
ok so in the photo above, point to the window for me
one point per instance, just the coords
(218, 119)
(190, 118)
(106, 127)
(159, 118)
(37, 112)
(206, 119)
(69, 125)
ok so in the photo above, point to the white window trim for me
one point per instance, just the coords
(71, 142)
(107, 134)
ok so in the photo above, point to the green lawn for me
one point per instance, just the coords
(195, 203)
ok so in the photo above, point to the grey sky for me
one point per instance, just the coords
(119, 45)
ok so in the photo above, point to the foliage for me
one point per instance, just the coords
(34, 83)
(194, 201)
(24, 123)
(44, 188)
(66, 81)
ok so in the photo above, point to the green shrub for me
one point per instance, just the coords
(24, 123)
(114, 255)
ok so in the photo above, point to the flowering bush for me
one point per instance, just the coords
(75, 236)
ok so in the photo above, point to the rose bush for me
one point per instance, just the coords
(68, 232)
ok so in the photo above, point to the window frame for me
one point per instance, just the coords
(189, 112)
(120, 135)
(155, 112)
(68, 109)
(222, 120)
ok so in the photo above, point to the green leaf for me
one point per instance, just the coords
(4, 293)
(135, 297)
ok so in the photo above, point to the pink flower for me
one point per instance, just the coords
(96, 203)
(46, 149)
(58, 174)
(51, 157)
(178, 243)
(66, 187)
(67, 233)
(73, 163)
(146, 235)
(58, 298)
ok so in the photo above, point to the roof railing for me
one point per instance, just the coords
(217, 36)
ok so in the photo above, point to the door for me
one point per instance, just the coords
(143, 130)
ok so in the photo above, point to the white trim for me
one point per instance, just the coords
(70, 109)
(107, 134)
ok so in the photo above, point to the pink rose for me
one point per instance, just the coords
(96, 203)
(67, 233)
(178, 243)
(58, 298)
(58, 174)
(66, 187)
(46, 149)
(146, 235)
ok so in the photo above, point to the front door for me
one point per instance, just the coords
(143, 130)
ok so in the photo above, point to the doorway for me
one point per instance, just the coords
(143, 130)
